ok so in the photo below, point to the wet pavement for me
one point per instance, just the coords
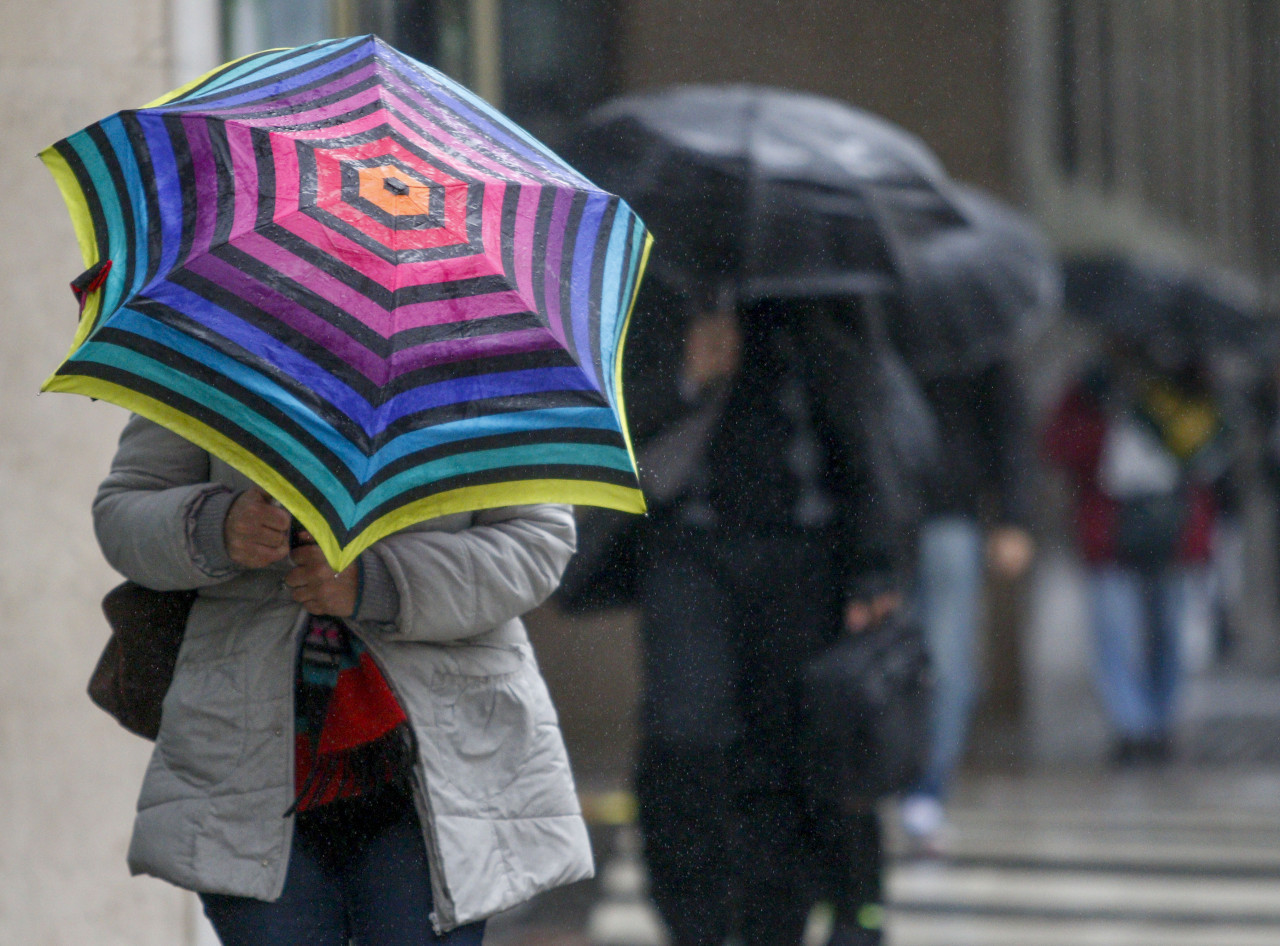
(1049, 846)
(1186, 853)
(1172, 856)
(1169, 856)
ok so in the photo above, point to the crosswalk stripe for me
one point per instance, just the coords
(1265, 866)
(1157, 851)
(1055, 893)
(986, 931)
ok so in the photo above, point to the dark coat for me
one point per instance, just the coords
(985, 438)
(739, 443)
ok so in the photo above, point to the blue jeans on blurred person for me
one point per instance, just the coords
(949, 595)
(1137, 623)
(949, 573)
(358, 872)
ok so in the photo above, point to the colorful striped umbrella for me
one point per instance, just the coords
(356, 282)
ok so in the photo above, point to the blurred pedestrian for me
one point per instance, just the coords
(1145, 446)
(1265, 403)
(766, 551)
(365, 754)
(982, 423)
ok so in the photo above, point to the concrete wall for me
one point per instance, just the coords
(68, 775)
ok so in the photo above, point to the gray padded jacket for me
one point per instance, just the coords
(495, 796)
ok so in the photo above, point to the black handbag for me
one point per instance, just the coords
(136, 667)
(864, 712)
(1148, 528)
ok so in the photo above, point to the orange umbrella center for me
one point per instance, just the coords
(387, 187)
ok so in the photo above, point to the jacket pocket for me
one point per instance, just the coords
(488, 728)
(203, 723)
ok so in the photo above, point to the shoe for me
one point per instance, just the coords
(924, 825)
(921, 815)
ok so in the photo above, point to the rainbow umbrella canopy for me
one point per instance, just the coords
(360, 285)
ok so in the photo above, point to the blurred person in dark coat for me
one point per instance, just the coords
(763, 546)
(975, 517)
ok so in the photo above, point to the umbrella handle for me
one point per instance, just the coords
(295, 527)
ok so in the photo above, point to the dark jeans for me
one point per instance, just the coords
(731, 838)
(357, 873)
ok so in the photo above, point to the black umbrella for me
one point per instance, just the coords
(973, 291)
(782, 194)
(757, 194)
(1171, 313)
(773, 193)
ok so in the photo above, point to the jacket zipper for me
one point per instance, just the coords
(439, 893)
(290, 748)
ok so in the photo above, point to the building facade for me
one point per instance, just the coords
(1154, 127)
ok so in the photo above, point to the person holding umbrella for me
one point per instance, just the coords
(428, 786)
(1145, 448)
(982, 418)
(974, 294)
(769, 553)
(310, 278)
(773, 530)
(1144, 442)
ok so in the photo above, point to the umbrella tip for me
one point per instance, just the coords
(395, 185)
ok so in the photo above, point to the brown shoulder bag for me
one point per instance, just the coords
(136, 667)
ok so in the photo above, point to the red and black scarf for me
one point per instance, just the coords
(351, 736)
